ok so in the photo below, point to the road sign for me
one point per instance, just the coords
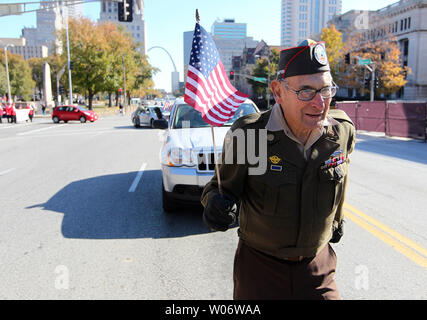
(10, 9)
(363, 62)
(259, 79)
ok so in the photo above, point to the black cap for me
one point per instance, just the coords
(308, 58)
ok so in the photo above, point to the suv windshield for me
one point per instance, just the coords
(184, 112)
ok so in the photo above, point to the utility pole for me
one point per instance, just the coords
(124, 83)
(68, 54)
(7, 71)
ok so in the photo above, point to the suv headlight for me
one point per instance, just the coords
(180, 157)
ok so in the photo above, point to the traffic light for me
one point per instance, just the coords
(231, 75)
(71, 65)
(367, 83)
(125, 10)
(347, 58)
(376, 82)
(61, 89)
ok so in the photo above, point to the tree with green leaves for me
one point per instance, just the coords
(101, 52)
(21, 82)
(261, 70)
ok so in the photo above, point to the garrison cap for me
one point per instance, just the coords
(308, 58)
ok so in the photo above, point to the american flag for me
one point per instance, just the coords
(208, 89)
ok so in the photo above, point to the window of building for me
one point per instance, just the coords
(401, 25)
(409, 23)
(406, 23)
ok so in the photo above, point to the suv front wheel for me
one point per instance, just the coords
(168, 204)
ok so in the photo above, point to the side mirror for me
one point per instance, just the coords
(160, 124)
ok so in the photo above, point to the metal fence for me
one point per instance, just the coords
(394, 118)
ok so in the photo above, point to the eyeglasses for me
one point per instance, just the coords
(309, 94)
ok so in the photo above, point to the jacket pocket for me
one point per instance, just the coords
(330, 188)
(280, 192)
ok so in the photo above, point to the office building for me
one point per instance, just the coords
(109, 13)
(403, 21)
(228, 29)
(301, 19)
(50, 20)
(230, 40)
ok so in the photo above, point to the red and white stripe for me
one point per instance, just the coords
(214, 97)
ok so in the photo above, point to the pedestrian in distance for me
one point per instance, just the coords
(289, 214)
(31, 111)
(1, 112)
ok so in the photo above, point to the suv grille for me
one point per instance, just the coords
(206, 162)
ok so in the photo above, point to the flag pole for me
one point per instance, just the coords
(216, 161)
(213, 134)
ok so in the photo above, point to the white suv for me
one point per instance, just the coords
(187, 156)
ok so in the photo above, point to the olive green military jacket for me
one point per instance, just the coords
(288, 210)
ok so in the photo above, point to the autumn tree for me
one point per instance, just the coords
(334, 49)
(386, 56)
(100, 53)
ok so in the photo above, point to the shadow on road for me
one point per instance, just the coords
(411, 150)
(103, 208)
(133, 127)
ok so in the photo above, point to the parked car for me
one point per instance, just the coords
(73, 113)
(145, 115)
(187, 156)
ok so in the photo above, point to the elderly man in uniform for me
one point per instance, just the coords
(290, 213)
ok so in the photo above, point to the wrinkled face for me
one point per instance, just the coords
(303, 115)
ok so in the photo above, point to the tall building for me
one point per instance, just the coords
(230, 40)
(109, 12)
(228, 29)
(50, 20)
(301, 19)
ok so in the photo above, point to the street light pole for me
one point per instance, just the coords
(124, 83)
(68, 54)
(7, 70)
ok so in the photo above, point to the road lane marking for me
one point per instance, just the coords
(420, 249)
(137, 178)
(6, 171)
(388, 239)
(42, 129)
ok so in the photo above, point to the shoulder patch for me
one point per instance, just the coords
(339, 115)
(252, 119)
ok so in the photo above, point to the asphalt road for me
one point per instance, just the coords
(81, 218)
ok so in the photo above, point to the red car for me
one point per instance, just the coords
(73, 113)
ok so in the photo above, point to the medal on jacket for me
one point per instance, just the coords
(275, 163)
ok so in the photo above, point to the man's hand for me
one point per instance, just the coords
(220, 212)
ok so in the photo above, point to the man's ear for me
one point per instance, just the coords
(276, 89)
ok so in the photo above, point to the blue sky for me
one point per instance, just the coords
(166, 20)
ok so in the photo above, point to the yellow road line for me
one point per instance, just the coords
(415, 257)
(420, 249)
